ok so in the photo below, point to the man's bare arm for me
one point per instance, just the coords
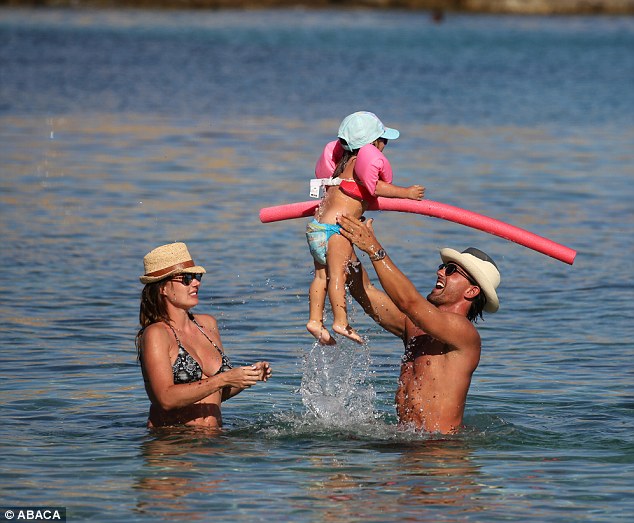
(376, 303)
(447, 327)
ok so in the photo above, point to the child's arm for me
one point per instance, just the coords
(388, 190)
(374, 171)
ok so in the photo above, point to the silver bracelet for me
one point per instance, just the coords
(378, 255)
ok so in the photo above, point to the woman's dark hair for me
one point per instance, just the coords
(477, 306)
(152, 310)
(344, 159)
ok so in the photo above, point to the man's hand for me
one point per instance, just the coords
(359, 233)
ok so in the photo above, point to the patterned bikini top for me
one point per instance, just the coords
(186, 369)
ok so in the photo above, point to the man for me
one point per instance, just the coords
(442, 346)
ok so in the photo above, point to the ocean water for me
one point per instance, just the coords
(123, 130)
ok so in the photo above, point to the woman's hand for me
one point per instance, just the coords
(242, 377)
(264, 368)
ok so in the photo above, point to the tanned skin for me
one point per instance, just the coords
(442, 347)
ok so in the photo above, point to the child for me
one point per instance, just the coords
(354, 171)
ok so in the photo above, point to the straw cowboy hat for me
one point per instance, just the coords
(481, 268)
(168, 260)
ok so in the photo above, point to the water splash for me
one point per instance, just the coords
(335, 385)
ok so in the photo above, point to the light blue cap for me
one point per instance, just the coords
(361, 128)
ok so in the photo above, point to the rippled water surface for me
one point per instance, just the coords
(123, 130)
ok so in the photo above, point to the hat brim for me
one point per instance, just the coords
(467, 262)
(390, 134)
(196, 269)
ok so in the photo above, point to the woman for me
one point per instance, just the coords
(186, 373)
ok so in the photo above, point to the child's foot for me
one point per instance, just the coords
(320, 333)
(347, 331)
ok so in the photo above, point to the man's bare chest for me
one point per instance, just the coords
(420, 345)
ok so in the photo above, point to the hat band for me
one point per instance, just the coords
(167, 270)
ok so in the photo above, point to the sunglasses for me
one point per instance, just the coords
(450, 268)
(186, 278)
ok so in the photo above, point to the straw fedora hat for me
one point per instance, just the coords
(481, 268)
(168, 260)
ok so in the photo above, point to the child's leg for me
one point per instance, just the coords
(317, 300)
(338, 257)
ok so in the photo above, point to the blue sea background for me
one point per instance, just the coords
(121, 130)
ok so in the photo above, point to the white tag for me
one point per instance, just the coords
(315, 188)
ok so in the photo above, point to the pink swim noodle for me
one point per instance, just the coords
(436, 210)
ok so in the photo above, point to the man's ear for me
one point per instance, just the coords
(472, 292)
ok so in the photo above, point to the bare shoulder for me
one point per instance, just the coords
(470, 332)
(209, 326)
(207, 321)
(156, 332)
(156, 341)
(469, 346)
(460, 333)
